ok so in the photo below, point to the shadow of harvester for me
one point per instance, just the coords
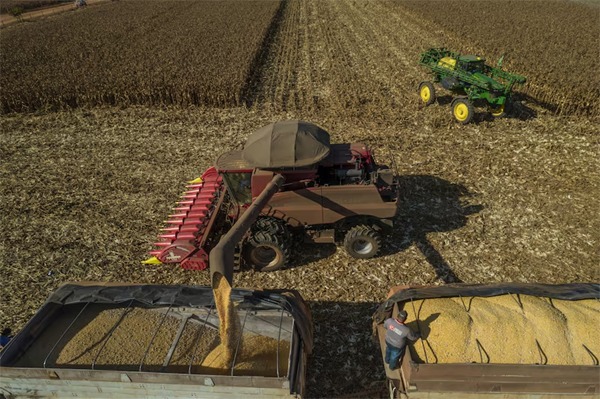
(428, 204)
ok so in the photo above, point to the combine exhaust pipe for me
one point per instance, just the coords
(221, 258)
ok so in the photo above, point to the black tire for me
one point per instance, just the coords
(266, 251)
(274, 226)
(427, 93)
(462, 110)
(362, 242)
(500, 111)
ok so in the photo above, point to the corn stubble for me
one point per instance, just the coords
(558, 62)
(357, 57)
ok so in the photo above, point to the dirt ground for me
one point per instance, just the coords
(84, 194)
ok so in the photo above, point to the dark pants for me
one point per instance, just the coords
(393, 355)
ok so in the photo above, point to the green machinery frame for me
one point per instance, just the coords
(482, 82)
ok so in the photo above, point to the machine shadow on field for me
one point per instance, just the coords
(427, 204)
(518, 109)
(346, 361)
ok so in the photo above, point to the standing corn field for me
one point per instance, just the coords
(155, 53)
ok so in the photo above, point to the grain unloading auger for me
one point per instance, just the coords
(333, 193)
(471, 80)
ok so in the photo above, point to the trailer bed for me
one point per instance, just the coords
(418, 379)
(157, 341)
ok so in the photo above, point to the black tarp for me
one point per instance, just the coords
(282, 144)
(573, 291)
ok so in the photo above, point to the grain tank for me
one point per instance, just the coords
(106, 340)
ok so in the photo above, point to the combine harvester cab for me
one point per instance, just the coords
(333, 193)
(151, 341)
(496, 341)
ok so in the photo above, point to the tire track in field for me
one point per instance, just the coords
(344, 58)
(250, 93)
(399, 43)
(384, 55)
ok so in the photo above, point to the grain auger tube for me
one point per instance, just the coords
(221, 259)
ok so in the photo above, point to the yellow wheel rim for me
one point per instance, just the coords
(461, 111)
(425, 93)
(498, 110)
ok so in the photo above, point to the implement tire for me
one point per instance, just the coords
(362, 242)
(266, 251)
(462, 110)
(427, 93)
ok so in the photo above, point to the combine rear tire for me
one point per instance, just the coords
(463, 111)
(427, 93)
(266, 251)
(362, 242)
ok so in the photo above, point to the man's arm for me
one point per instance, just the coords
(413, 336)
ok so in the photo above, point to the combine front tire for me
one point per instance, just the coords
(266, 251)
(463, 111)
(273, 226)
(427, 92)
(362, 242)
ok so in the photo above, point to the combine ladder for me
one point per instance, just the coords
(188, 229)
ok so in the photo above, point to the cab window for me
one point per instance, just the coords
(239, 185)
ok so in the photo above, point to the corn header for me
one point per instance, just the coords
(471, 79)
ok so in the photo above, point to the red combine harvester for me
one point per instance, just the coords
(333, 193)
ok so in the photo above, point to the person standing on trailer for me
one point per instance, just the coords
(5, 337)
(396, 335)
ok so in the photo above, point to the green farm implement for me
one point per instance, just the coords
(472, 81)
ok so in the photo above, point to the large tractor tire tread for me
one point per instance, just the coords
(427, 93)
(266, 251)
(462, 110)
(362, 242)
(273, 226)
